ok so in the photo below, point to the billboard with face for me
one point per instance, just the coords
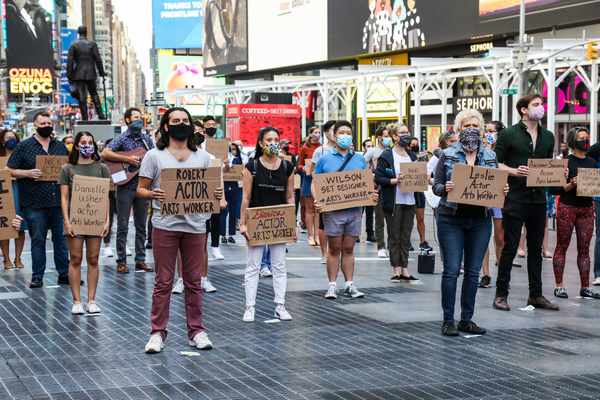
(177, 24)
(225, 37)
(29, 47)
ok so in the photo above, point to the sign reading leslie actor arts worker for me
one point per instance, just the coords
(50, 166)
(588, 182)
(346, 189)
(89, 205)
(478, 186)
(415, 177)
(546, 172)
(219, 148)
(7, 207)
(190, 190)
(271, 225)
(235, 173)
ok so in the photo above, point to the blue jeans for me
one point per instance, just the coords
(266, 258)
(232, 198)
(458, 236)
(39, 220)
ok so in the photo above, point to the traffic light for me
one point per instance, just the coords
(592, 50)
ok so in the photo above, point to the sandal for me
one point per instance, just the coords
(19, 264)
(8, 265)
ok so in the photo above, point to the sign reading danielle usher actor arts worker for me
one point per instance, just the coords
(346, 189)
(190, 190)
(89, 205)
(415, 177)
(50, 166)
(7, 207)
(546, 172)
(479, 186)
(271, 225)
(588, 182)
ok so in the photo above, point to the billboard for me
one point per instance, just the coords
(294, 34)
(373, 26)
(177, 24)
(29, 47)
(67, 37)
(225, 36)
(183, 72)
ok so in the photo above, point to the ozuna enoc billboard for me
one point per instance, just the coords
(29, 42)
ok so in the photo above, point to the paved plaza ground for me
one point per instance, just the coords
(383, 346)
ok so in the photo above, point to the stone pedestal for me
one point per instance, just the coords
(101, 129)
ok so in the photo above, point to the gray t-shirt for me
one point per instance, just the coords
(154, 161)
(373, 153)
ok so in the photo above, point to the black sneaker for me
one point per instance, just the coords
(485, 282)
(449, 329)
(560, 291)
(232, 240)
(371, 239)
(410, 247)
(64, 280)
(409, 278)
(587, 292)
(149, 244)
(470, 327)
(36, 283)
(223, 240)
(396, 279)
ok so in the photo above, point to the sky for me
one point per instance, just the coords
(137, 16)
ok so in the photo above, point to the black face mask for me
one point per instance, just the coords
(404, 141)
(199, 138)
(180, 132)
(583, 144)
(415, 149)
(286, 149)
(211, 131)
(45, 131)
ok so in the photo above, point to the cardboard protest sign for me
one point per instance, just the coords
(478, 186)
(297, 182)
(89, 205)
(235, 173)
(285, 157)
(546, 172)
(50, 166)
(415, 177)
(3, 162)
(217, 163)
(218, 148)
(190, 190)
(346, 189)
(309, 166)
(7, 207)
(588, 182)
(271, 225)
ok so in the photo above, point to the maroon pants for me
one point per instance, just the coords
(165, 245)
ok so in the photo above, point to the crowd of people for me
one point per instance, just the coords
(180, 242)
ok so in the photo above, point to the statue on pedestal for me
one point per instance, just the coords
(82, 61)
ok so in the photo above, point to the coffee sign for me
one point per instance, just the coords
(478, 186)
(544, 172)
(346, 189)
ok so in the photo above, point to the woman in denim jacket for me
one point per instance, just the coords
(462, 228)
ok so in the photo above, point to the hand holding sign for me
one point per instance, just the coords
(346, 189)
(545, 172)
(49, 167)
(587, 182)
(477, 185)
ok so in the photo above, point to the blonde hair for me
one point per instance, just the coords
(393, 127)
(464, 115)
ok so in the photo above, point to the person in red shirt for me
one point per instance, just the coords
(311, 217)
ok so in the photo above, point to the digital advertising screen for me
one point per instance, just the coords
(294, 35)
(29, 48)
(67, 36)
(225, 37)
(177, 24)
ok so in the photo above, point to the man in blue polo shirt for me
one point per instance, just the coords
(342, 227)
(40, 200)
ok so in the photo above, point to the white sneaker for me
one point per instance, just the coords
(207, 286)
(353, 291)
(596, 281)
(92, 307)
(249, 315)
(331, 292)
(382, 253)
(217, 253)
(128, 250)
(155, 344)
(77, 308)
(282, 314)
(387, 253)
(178, 287)
(108, 252)
(200, 341)
(265, 272)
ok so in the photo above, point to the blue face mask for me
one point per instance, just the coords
(11, 143)
(136, 127)
(386, 142)
(344, 141)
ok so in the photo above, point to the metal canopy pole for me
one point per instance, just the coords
(365, 122)
(496, 91)
(417, 92)
(594, 103)
(552, 84)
